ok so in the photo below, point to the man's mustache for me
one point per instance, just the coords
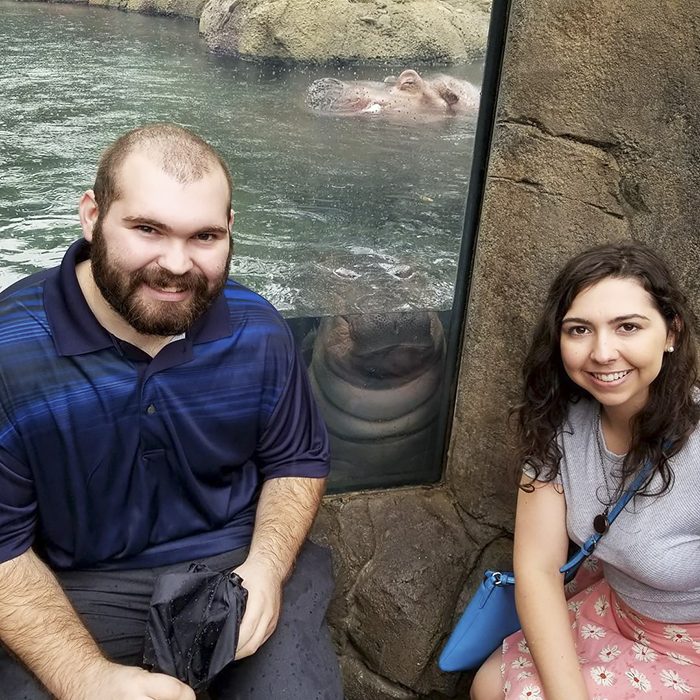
(160, 278)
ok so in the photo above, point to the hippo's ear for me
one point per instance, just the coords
(447, 94)
(409, 80)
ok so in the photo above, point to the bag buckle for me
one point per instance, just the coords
(500, 578)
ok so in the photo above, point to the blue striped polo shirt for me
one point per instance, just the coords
(110, 459)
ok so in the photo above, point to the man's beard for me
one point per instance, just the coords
(151, 317)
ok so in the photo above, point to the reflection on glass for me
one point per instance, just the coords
(378, 381)
(334, 216)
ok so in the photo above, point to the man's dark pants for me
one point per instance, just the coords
(296, 663)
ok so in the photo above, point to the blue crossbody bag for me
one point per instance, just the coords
(491, 616)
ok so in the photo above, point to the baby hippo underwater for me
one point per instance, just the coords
(408, 97)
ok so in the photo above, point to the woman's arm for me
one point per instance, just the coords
(541, 544)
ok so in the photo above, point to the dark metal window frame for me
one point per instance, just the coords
(495, 49)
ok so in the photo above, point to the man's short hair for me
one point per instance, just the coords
(180, 152)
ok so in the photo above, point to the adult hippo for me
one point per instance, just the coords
(377, 379)
(408, 97)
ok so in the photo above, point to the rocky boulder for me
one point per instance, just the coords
(405, 563)
(329, 30)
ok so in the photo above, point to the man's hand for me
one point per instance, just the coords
(264, 586)
(286, 510)
(109, 681)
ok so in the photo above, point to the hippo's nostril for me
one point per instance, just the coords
(322, 94)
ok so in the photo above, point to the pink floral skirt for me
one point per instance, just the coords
(622, 654)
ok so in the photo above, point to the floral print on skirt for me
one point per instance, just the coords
(623, 655)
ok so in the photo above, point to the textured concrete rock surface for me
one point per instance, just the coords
(329, 30)
(398, 557)
(596, 139)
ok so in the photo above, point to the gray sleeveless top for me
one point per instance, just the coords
(651, 554)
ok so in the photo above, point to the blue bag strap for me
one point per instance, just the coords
(589, 545)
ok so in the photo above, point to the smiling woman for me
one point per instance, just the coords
(613, 341)
(610, 387)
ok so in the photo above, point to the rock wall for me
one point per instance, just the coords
(597, 138)
(346, 30)
(443, 31)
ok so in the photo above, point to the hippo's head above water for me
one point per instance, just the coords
(407, 97)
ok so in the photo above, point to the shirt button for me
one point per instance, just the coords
(151, 410)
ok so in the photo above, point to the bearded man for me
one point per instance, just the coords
(155, 413)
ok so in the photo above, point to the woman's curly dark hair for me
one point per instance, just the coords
(663, 426)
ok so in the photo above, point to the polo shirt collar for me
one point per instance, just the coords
(75, 329)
